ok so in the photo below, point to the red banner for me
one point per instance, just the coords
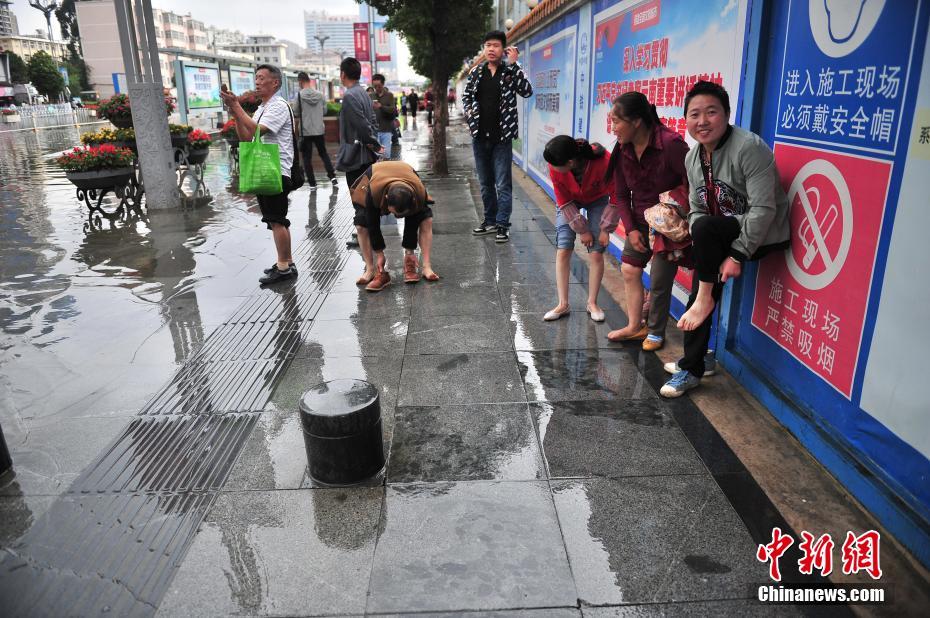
(362, 43)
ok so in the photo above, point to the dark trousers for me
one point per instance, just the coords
(307, 143)
(711, 237)
(493, 162)
(353, 175)
(411, 235)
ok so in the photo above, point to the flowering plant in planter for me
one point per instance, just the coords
(98, 137)
(9, 112)
(198, 139)
(96, 158)
(179, 129)
(228, 131)
(249, 100)
(118, 110)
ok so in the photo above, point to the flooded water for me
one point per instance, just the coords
(95, 316)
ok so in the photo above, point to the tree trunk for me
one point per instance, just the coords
(440, 86)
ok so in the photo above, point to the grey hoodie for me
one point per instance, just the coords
(747, 188)
(311, 106)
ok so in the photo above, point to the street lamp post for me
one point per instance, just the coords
(322, 40)
(47, 8)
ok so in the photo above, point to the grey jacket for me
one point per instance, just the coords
(310, 106)
(747, 187)
(356, 123)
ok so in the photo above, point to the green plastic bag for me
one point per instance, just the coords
(259, 167)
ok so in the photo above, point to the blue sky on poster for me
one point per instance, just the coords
(705, 41)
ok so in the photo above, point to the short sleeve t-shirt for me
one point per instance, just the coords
(276, 116)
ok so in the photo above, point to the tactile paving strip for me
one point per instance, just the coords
(90, 555)
(169, 454)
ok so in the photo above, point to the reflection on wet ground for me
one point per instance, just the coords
(150, 394)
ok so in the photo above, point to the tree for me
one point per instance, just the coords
(67, 19)
(78, 74)
(19, 72)
(44, 75)
(441, 34)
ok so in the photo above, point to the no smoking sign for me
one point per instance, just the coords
(811, 299)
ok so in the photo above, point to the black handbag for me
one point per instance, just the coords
(297, 170)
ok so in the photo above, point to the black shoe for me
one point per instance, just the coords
(352, 242)
(278, 275)
(274, 266)
(484, 228)
(502, 234)
(335, 181)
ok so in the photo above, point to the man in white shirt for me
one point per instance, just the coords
(275, 123)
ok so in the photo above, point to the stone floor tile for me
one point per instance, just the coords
(655, 539)
(391, 303)
(573, 332)
(456, 298)
(612, 438)
(539, 299)
(456, 378)
(576, 375)
(304, 552)
(355, 337)
(457, 546)
(468, 442)
(458, 334)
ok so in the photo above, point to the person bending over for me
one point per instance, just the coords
(392, 187)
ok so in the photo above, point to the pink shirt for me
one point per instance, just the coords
(639, 182)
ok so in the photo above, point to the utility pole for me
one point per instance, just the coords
(371, 33)
(48, 9)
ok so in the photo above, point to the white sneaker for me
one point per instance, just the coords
(681, 383)
(710, 367)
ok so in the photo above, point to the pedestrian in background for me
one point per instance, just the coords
(385, 111)
(739, 212)
(648, 159)
(490, 103)
(413, 102)
(275, 124)
(358, 133)
(429, 105)
(310, 109)
(586, 205)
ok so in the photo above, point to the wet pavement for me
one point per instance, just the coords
(150, 395)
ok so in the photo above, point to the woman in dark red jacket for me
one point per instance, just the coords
(649, 158)
(580, 182)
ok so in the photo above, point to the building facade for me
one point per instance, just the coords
(180, 31)
(339, 29)
(26, 46)
(8, 25)
(263, 48)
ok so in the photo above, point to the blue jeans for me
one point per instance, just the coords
(385, 138)
(492, 162)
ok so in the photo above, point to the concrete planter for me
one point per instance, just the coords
(121, 123)
(100, 179)
(332, 129)
(196, 156)
(11, 118)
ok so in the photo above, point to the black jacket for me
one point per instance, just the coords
(513, 82)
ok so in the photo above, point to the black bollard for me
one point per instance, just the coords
(341, 421)
(6, 462)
